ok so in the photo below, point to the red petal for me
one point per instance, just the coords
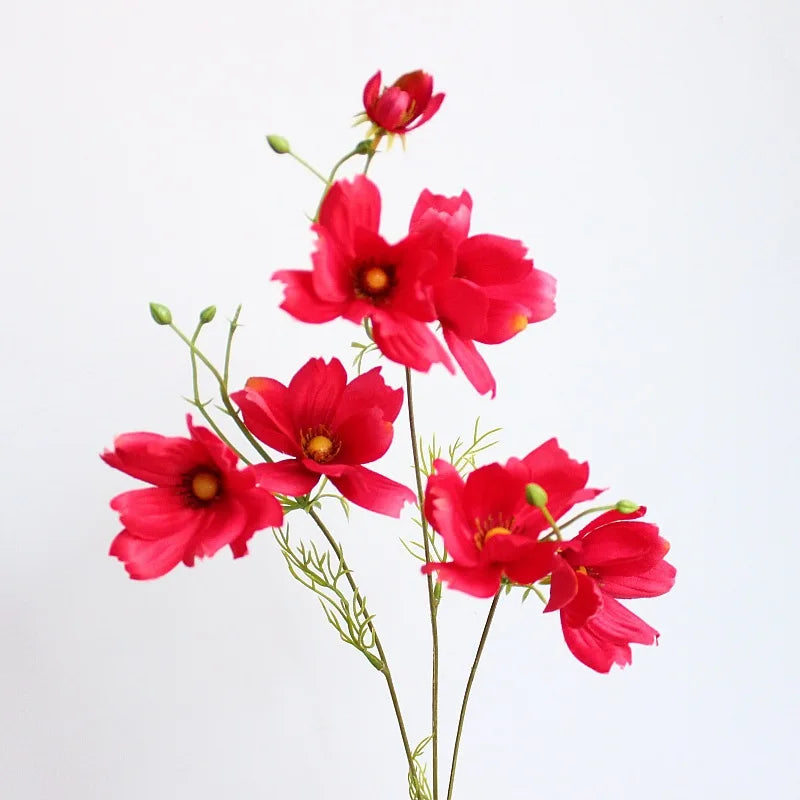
(372, 491)
(286, 477)
(390, 110)
(314, 392)
(471, 362)
(218, 452)
(157, 512)
(263, 510)
(331, 276)
(161, 460)
(462, 306)
(486, 259)
(563, 585)
(492, 495)
(656, 581)
(301, 301)
(227, 521)
(347, 207)
(408, 342)
(595, 652)
(587, 603)
(444, 509)
(616, 623)
(369, 391)
(263, 403)
(482, 580)
(430, 109)
(365, 437)
(446, 214)
(623, 548)
(419, 85)
(527, 563)
(149, 559)
(371, 90)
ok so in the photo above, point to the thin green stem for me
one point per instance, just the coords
(378, 646)
(552, 523)
(432, 600)
(223, 393)
(199, 404)
(467, 690)
(329, 182)
(308, 166)
(234, 324)
(584, 513)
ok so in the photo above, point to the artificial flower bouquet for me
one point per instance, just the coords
(484, 530)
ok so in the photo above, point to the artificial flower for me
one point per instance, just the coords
(493, 292)
(357, 274)
(403, 106)
(199, 501)
(489, 529)
(328, 427)
(615, 556)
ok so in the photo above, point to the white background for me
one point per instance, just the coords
(647, 152)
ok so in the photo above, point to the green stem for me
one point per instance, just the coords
(308, 166)
(231, 330)
(467, 690)
(584, 513)
(552, 523)
(329, 182)
(378, 646)
(223, 393)
(199, 404)
(432, 601)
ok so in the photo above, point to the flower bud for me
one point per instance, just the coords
(278, 143)
(626, 507)
(207, 314)
(536, 495)
(365, 147)
(160, 314)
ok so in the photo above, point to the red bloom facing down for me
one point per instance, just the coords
(614, 556)
(328, 427)
(357, 274)
(494, 291)
(404, 105)
(199, 501)
(489, 529)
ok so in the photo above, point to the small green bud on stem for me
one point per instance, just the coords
(161, 314)
(207, 314)
(626, 507)
(536, 495)
(279, 144)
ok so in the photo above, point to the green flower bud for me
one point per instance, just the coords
(365, 147)
(160, 314)
(536, 495)
(626, 506)
(278, 143)
(207, 314)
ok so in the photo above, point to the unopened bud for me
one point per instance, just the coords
(536, 495)
(626, 507)
(278, 143)
(160, 314)
(365, 147)
(207, 314)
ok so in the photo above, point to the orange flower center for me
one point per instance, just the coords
(487, 529)
(205, 486)
(374, 281)
(519, 322)
(320, 444)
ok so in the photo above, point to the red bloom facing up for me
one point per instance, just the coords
(357, 274)
(494, 291)
(199, 501)
(328, 427)
(489, 529)
(613, 556)
(404, 105)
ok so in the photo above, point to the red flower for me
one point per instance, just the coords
(198, 504)
(328, 427)
(489, 529)
(404, 105)
(613, 556)
(494, 291)
(357, 274)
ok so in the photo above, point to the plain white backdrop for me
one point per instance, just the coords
(648, 154)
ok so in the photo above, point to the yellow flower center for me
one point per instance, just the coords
(320, 448)
(498, 531)
(205, 486)
(373, 281)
